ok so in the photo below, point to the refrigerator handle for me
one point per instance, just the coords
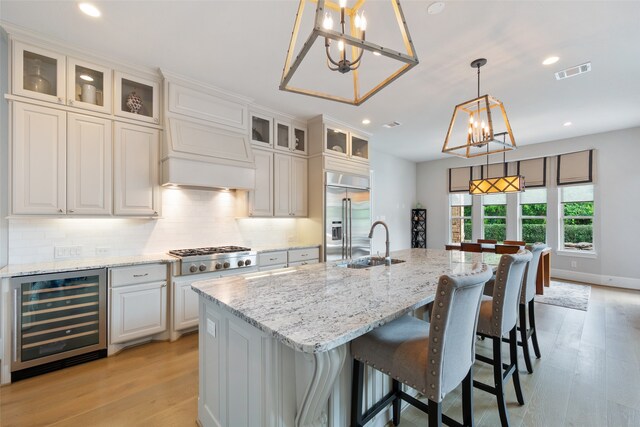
(344, 225)
(350, 230)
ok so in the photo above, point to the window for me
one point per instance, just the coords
(460, 214)
(494, 211)
(576, 218)
(533, 215)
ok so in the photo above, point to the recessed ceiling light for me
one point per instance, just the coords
(566, 124)
(435, 8)
(550, 60)
(366, 121)
(86, 77)
(89, 9)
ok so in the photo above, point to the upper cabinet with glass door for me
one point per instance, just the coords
(53, 77)
(137, 97)
(359, 147)
(38, 73)
(88, 86)
(290, 138)
(336, 141)
(262, 130)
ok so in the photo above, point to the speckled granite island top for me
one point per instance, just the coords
(317, 307)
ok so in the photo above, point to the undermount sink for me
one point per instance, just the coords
(367, 262)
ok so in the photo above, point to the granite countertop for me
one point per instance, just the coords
(317, 307)
(263, 249)
(82, 264)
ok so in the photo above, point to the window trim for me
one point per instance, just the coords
(451, 218)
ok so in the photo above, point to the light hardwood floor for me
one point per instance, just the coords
(589, 375)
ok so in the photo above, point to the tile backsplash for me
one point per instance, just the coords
(190, 218)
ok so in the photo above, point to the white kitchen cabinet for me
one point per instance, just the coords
(38, 160)
(272, 260)
(45, 75)
(61, 162)
(38, 73)
(185, 305)
(261, 197)
(137, 97)
(138, 302)
(290, 138)
(89, 156)
(138, 311)
(290, 185)
(261, 130)
(136, 151)
(303, 256)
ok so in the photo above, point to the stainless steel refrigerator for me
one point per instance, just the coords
(347, 217)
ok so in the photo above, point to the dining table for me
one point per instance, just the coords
(543, 278)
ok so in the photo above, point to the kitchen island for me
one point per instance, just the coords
(273, 345)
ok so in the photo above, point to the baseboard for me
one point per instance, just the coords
(597, 279)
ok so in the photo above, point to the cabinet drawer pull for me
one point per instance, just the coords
(164, 286)
(302, 255)
(140, 275)
(273, 259)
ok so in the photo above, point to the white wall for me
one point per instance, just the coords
(392, 197)
(617, 198)
(191, 218)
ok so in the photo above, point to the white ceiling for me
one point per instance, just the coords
(241, 45)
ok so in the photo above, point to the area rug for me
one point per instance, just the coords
(569, 295)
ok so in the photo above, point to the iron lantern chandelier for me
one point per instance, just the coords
(477, 124)
(353, 26)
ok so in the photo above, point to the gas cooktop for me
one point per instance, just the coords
(208, 251)
(215, 259)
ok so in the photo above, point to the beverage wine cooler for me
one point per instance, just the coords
(59, 320)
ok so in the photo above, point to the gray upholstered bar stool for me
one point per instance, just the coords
(527, 295)
(432, 358)
(498, 316)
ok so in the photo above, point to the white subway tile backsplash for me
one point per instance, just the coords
(190, 218)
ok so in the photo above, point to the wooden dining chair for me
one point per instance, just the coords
(430, 357)
(470, 247)
(507, 249)
(514, 242)
(489, 241)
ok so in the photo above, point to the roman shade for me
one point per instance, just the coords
(575, 168)
(494, 170)
(459, 179)
(534, 172)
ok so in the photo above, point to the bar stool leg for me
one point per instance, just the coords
(522, 311)
(499, 381)
(532, 325)
(396, 402)
(513, 356)
(467, 399)
(435, 413)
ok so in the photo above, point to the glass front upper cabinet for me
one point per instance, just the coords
(283, 136)
(299, 143)
(89, 86)
(38, 73)
(335, 140)
(359, 147)
(136, 98)
(261, 130)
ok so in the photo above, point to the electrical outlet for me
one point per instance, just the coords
(574, 264)
(67, 252)
(211, 328)
(103, 251)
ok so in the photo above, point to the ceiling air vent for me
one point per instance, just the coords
(391, 124)
(574, 71)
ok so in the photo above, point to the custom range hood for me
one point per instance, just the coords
(206, 138)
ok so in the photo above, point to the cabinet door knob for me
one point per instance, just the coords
(60, 210)
(156, 120)
(155, 212)
(71, 211)
(71, 102)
